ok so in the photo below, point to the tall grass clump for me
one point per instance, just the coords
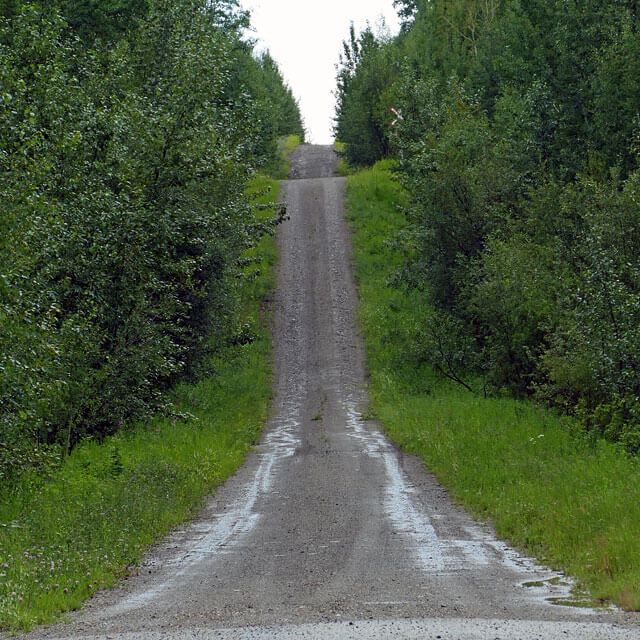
(86, 524)
(553, 490)
(344, 168)
(279, 167)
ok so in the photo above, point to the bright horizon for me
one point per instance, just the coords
(306, 39)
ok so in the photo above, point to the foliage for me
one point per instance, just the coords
(518, 148)
(126, 142)
(86, 526)
(364, 72)
(550, 488)
(279, 168)
(449, 178)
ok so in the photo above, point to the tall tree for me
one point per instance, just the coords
(365, 73)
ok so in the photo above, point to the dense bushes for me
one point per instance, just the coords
(519, 153)
(365, 72)
(125, 144)
(559, 495)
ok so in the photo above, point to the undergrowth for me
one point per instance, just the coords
(569, 500)
(279, 167)
(344, 168)
(87, 525)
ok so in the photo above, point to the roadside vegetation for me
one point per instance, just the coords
(562, 494)
(286, 146)
(518, 148)
(499, 263)
(86, 524)
(128, 134)
(135, 263)
(343, 169)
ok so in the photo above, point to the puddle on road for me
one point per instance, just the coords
(574, 597)
(442, 556)
(225, 531)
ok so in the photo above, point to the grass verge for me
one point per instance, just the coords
(63, 538)
(344, 169)
(571, 502)
(279, 168)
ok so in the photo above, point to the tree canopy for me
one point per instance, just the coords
(518, 148)
(128, 131)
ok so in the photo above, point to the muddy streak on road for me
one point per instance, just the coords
(327, 521)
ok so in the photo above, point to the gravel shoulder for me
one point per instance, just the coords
(329, 530)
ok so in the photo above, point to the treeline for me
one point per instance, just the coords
(128, 132)
(519, 149)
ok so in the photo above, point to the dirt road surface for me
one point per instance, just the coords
(328, 531)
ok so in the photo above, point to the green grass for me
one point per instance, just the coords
(279, 169)
(571, 502)
(344, 169)
(85, 528)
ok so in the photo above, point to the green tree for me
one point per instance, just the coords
(365, 72)
(124, 166)
(518, 151)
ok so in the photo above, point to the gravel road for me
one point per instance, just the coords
(328, 531)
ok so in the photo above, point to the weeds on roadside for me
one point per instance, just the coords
(87, 525)
(570, 500)
(279, 168)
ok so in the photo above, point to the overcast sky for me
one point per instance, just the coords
(305, 38)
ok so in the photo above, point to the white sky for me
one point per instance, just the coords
(305, 38)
